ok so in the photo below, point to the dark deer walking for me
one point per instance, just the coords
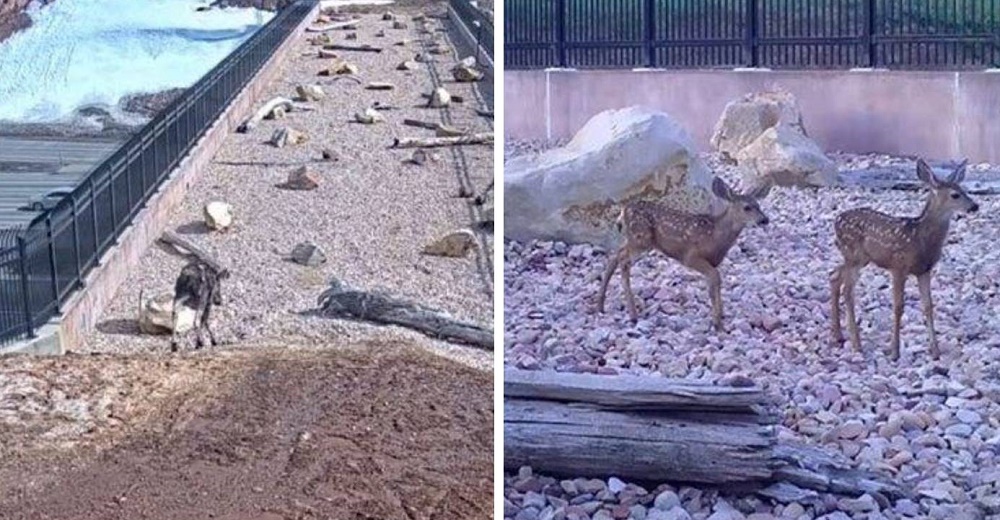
(198, 287)
(904, 246)
(700, 242)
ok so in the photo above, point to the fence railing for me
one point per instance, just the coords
(41, 265)
(478, 23)
(785, 34)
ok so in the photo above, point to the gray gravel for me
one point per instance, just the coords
(371, 214)
(931, 425)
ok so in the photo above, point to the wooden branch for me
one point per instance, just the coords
(263, 111)
(652, 429)
(345, 47)
(421, 124)
(332, 26)
(182, 244)
(343, 301)
(431, 142)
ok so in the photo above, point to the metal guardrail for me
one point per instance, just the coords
(779, 34)
(42, 264)
(478, 23)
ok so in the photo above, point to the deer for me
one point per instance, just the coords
(698, 241)
(904, 246)
(197, 289)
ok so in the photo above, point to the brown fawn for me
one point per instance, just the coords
(699, 242)
(903, 246)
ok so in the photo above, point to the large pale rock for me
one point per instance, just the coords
(574, 193)
(744, 120)
(440, 98)
(286, 136)
(156, 315)
(785, 157)
(310, 92)
(218, 215)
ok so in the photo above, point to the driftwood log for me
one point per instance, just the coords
(332, 26)
(345, 47)
(432, 142)
(651, 429)
(263, 111)
(188, 248)
(343, 301)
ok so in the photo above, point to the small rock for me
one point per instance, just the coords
(408, 65)
(457, 244)
(440, 98)
(569, 487)
(340, 67)
(330, 155)
(287, 136)
(906, 507)
(968, 416)
(369, 117)
(388, 16)
(465, 74)
(419, 157)
(528, 513)
(615, 485)
(351, 36)
(309, 254)
(959, 430)
(666, 500)
(592, 486)
(863, 504)
(793, 510)
(302, 178)
(310, 92)
(379, 85)
(398, 24)
(637, 512)
(533, 499)
(218, 215)
(380, 33)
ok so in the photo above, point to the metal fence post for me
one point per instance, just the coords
(869, 34)
(22, 253)
(51, 237)
(750, 42)
(561, 32)
(651, 33)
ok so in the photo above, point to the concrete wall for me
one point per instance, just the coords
(940, 115)
(82, 311)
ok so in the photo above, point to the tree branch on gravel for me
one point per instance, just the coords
(262, 112)
(343, 301)
(432, 142)
(331, 26)
(182, 244)
(653, 429)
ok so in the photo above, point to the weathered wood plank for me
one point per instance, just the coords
(633, 393)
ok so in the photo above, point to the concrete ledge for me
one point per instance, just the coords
(934, 114)
(82, 310)
(47, 343)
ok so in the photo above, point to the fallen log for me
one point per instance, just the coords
(440, 130)
(421, 124)
(183, 245)
(263, 111)
(651, 429)
(432, 142)
(345, 47)
(343, 301)
(331, 26)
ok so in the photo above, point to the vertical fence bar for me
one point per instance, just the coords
(750, 38)
(50, 236)
(22, 253)
(561, 32)
(650, 33)
(869, 33)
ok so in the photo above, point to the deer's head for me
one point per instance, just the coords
(947, 195)
(743, 206)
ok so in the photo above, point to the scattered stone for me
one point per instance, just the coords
(793, 510)
(440, 98)
(615, 485)
(906, 507)
(351, 36)
(330, 155)
(340, 67)
(310, 92)
(379, 85)
(399, 24)
(419, 157)
(156, 315)
(533, 499)
(456, 244)
(302, 178)
(666, 500)
(369, 117)
(464, 74)
(285, 136)
(968, 416)
(218, 215)
(408, 65)
(388, 16)
(380, 33)
(308, 254)
(864, 504)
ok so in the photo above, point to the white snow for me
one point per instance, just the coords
(80, 52)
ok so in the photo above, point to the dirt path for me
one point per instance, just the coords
(370, 431)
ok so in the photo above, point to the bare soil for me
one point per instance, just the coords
(374, 430)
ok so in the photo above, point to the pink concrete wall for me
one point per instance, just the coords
(82, 311)
(939, 115)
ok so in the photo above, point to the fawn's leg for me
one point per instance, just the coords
(714, 287)
(626, 262)
(924, 281)
(898, 284)
(205, 323)
(850, 280)
(609, 271)
(173, 325)
(836, 283)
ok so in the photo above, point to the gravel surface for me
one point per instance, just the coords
(934, 426)
(371, 214)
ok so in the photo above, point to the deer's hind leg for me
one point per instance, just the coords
(898, 285)
(174, 322)
(205, 322)
(836, 284)
(626, 263)
(609, 271)
(851, 273)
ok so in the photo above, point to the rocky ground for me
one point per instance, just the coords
(349, 431)
(372, 213)
(930, 425)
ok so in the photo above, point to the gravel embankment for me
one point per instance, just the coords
(934, 426)
(372, 213)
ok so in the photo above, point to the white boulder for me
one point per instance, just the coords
(574, 193)
(218, 215)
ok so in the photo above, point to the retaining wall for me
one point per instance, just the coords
(939, 115)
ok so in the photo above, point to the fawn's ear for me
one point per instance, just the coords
(721, 189)
(924, 173)
(958, 175)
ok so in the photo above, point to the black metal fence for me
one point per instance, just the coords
(478, 23)
(781, 34)
(40, 266)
